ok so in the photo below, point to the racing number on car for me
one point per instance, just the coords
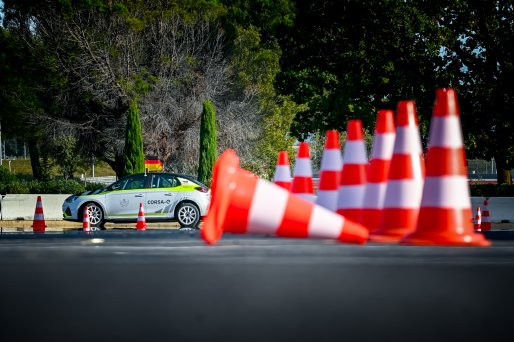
(158, 202)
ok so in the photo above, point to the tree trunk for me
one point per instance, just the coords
(116, 165)
(37, 170)
(503, 171)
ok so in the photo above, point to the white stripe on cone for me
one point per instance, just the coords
(352, 198)
(325, 223)
(332, 160)
(303, 167)
(261, 219)
(446, 192)
(374, 195)
(404, 193)
(407, 141)
(382, 146)
(355, 152)
(446, 132)
(328, 199)
(282, 173)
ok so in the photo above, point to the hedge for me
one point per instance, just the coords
(11, 184)
(492, 190)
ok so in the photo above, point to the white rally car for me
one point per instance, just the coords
(165, 197)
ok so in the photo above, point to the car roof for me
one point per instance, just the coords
(183, 175)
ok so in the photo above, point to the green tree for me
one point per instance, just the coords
(133, 153)
(347, 59)
(65, 155)
(479, 51)
(208, 142)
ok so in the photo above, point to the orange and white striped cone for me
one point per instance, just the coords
(244, 203)
(86, 224)
(282, 175)
(478, 220)
(330, 172)
(141, 222)
(486, 216)
(353, 175)
(302, 175)
(445, 205)
(378, 170)
(39, 224)
(405, 179)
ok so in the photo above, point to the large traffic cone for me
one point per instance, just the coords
(478, 220)
(353, 175)
(330, 172)
(302, 175)
(244, 203)
(486, 216)
(405, 179)
(282, 175)
(378, 170)
(38, 224)
(141, 222)
(446, 205)
(86, 225)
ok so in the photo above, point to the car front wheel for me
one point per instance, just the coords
(96, 215)
(188, 214)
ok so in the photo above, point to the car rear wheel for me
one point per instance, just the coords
(96, 215)
(188, 215)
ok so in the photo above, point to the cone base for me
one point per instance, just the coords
(353, 233)
(39, 227)
(390, 237)
(473, 239)
(223, 171)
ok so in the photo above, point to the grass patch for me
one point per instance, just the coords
(23, 167)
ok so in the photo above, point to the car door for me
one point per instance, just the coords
(161, 196)
(124, 199)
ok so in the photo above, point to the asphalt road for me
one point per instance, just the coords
(124, 285)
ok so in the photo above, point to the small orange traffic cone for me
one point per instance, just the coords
(38, 224)
(486, 216)
(330, 172)
(244, 203)
(445, 205)
(378, 170)
(405, 179)
(86, 225)
(141, 222)
(478, 220)
(282, 175)
(302, 175)
(353, 175)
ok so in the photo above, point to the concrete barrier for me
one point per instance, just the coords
(22, 207)
(15, 207)
(500, 208)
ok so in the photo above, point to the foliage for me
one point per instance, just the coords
(374, 54)
(65, 155)
(276, 138)
(208, 142)
(479, 51)
(133, 153)
(492, 190)
(5, 175)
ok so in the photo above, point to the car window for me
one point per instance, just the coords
(133, 182)
(164, 181)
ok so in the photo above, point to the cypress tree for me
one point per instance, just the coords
(133, 153)
(208, 145)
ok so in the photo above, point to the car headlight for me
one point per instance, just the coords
(71, 198)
